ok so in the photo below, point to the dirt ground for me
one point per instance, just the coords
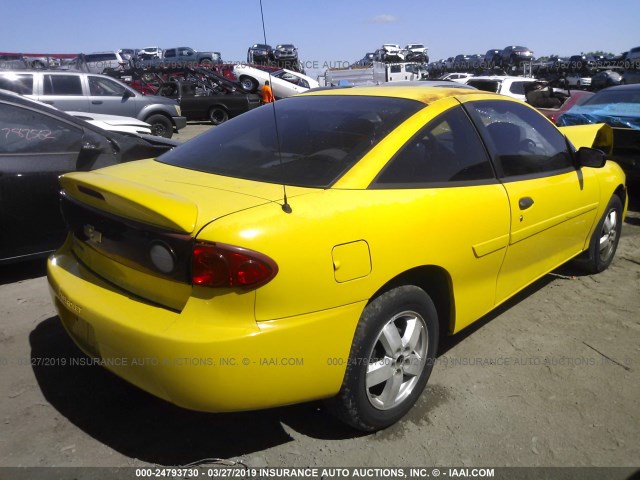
(550, 379)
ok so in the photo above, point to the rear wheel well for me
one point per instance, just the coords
(620, 192)
(436, 282)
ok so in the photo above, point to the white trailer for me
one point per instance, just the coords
(378, 73)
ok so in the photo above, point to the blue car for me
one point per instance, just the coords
(618, 107)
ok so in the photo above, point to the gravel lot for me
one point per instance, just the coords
(550, 379)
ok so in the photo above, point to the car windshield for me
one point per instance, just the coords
(317, 139)
(615, 96)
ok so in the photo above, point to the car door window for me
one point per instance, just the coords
(522, 140)
(105, 87)
(446, 152)
(26, 131)
(62, 85)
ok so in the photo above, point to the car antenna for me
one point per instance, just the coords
(286, 208)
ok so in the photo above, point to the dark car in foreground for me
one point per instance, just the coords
(618, 107)
(39, 143)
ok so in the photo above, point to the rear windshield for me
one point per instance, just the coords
(320, 138)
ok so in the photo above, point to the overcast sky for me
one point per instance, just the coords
(326, 32)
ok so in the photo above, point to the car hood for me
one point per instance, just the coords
(170, 197)
(598, 136)
(621, 115)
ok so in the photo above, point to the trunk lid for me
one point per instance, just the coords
(134, 224)
(169, 197)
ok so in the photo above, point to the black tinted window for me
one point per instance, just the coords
(100, 57)
(524, 141)
(19, 83)
(62, 85)
(518, 87)
(26, 131)
(486, 85)
(447, 150)
(320, 138)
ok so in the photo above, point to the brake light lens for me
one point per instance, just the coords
(221, 265)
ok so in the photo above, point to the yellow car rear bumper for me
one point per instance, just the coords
(196, 360)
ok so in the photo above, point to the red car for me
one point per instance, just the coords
(575, 97)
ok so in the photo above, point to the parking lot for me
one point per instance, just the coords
(549, 379)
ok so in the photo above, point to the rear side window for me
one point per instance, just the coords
(447, 151)
(62, 85)
(19, 83)
(317, 139)
(23, 130)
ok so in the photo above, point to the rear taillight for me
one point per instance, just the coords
(221, 265)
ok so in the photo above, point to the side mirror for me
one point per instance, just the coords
(590, 157)
(127, 94)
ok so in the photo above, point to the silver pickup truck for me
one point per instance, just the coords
(95, 93)
(182, 57)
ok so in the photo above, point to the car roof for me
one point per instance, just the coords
(47, 72)
(632, 86)
(427, 84)
(425, 95)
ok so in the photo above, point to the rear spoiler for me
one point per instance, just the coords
(598, 135)
(131, 199)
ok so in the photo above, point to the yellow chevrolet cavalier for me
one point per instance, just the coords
(319, 248)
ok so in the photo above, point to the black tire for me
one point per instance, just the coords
(218, 115)
(160, 125)
(206, 63)
(249, 84)
(393, 350)
(604, 241)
